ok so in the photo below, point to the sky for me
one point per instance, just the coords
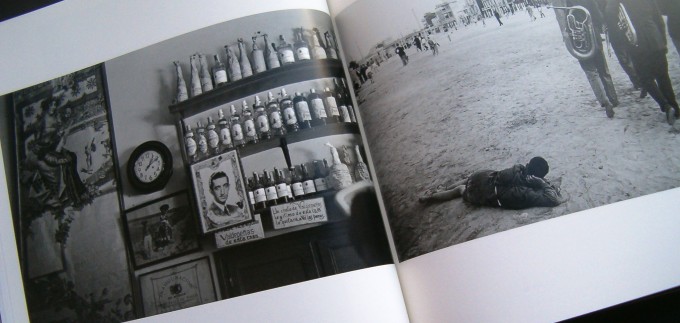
(371, 21)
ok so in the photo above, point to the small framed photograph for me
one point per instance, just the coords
(161, 229)
(220, 191)
(174, 288)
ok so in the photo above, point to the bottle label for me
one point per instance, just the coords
(202, 144)
(260, 195)
(289, 116)
(298, 190)
(318, 109)
(220, 77)
(225, 137)
(333, 106)
(191, 146)
(275, 119)
(263, 123)
(236, 132)
(282, 190)
(303, 111)
(271, 194)
(287, 55)
(249, 130)
(345, 114)
(308, 186)
(303, 53)
(320, 184)
(213, 139)
(251, 197)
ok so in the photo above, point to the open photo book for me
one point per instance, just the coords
(340, 161)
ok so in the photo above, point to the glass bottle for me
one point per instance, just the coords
(270, 189)
(270, 55)
(219, 72)
(296, 183)
(318, 51)
(285, 51)
(319, 40)
(233, 66)
(195, 79)
(331, 106)
(331, 50)
(225, 132)
(301, 46)
(320, 173)
(257, 54)
(360, 169)
(202, 141)
(275, 117)
(264, 131)
(246, 69)
(342, 98)
(249, 130)
(236, 129)
(213, 138)
(288, 111)
(339, 176)
(251, 192)
(317, 108)
(302, 111)
(348, 102)
(307, 181)
(259, 192)
(190, 144)
(281, 186)
(182, 93)
(206, 78)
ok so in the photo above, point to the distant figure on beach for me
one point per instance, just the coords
(530, 11)
(517, 187)
(402, 54)
(434, 46)
(498, 17)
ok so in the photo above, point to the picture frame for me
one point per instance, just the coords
(161, 229)
(177, 287)
(220, 192)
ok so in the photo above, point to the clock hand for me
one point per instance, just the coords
(150, 162)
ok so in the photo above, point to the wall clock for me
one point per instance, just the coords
(150, 166)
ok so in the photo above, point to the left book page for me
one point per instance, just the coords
(168, 158)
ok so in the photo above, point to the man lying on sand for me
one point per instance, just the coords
(517, 187)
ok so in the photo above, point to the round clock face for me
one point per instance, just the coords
(149, 166)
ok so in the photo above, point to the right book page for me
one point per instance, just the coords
(485, 117)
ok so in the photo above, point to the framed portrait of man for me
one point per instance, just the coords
(220, 192)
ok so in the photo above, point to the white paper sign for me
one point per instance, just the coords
(299, 213)
(240, 234)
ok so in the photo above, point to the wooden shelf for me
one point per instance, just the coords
(284, 75)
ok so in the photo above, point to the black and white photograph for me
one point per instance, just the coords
(161, 230)
(498, 114)
(220, 192)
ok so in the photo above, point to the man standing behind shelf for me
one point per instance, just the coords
(595, 67)
(220, 213)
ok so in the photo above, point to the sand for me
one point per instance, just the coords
(496, 96)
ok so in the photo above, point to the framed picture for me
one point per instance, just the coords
(220, 192)
(185, 285)
(160, 230)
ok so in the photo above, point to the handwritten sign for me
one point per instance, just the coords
(299, 213)
(240, 234)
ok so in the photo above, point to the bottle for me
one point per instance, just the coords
(360, 169)
(318, 109)
(319, 40)
(206, 78)
(270, 188)
(251, 192)
(257, 54)
(281, 186)
(288, 111)
(233, 66)
(301, 47)
(289, 179)
(296, 183)
(225, 132)
(190, 144)
(182, 93)
(285, 50)
(302, 111)
(320, 173)
(318, 51)
(259, 192)
(213, 138)
(236, 129)
(275, 117)
(249, 129)
(307, 181)
(246, 69)
(219, 72)
(261, 120)
(201, 141)
(331, 50)
(195, 80)
(270, 55)
(331, 106)
(348, 101)
(341, 99)
(339, 176)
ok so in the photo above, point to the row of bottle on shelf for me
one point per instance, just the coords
(304, 181)
(275, 118)
(242, 66)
